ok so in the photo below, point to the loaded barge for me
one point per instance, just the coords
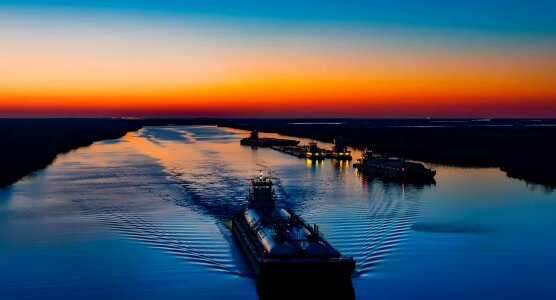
(393, 169)
(279, 244)
(296, 151)
(312, 151)
(256, 141)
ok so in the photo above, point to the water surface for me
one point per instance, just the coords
(145, 216)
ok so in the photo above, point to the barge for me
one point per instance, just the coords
(255, 141)
(296, 151)
(311, 151)
(393, 169)
(279, 244)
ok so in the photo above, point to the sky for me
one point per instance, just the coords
(220, 58)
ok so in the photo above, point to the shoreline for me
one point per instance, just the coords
(522, 153)
(31, 145)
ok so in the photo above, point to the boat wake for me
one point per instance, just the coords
(193, 243)
(209, 182)
(133, 195)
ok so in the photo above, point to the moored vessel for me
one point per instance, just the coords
(279, 243)
(314, 152)
(340, 150)
(393, 168)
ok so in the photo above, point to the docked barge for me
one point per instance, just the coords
(278, 243)
(256, 141)
(311, 151)
(296, 151)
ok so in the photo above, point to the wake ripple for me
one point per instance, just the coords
(195, 242)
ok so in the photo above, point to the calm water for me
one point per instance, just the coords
(145, 217)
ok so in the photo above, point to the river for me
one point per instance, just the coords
(146, 216)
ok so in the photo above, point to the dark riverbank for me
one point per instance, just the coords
(524, 149)
(29, 145)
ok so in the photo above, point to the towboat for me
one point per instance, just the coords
(279, 243)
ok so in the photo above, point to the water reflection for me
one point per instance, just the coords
(314, 162)
(369, 179)
(341, 164)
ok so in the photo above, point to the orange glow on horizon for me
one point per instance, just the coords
(283, 96)
(127, 73)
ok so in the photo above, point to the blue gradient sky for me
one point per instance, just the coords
(515, 16)
(378, 58)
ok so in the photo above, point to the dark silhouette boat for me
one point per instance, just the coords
(393, 168)
(256, 141)
(314, 152)
(279, 244)
(340, 150)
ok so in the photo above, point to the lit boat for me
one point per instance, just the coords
(313, 152)
(393, 169)
(279, 243)
(340, 151)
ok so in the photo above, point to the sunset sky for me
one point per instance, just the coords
(278, 58)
